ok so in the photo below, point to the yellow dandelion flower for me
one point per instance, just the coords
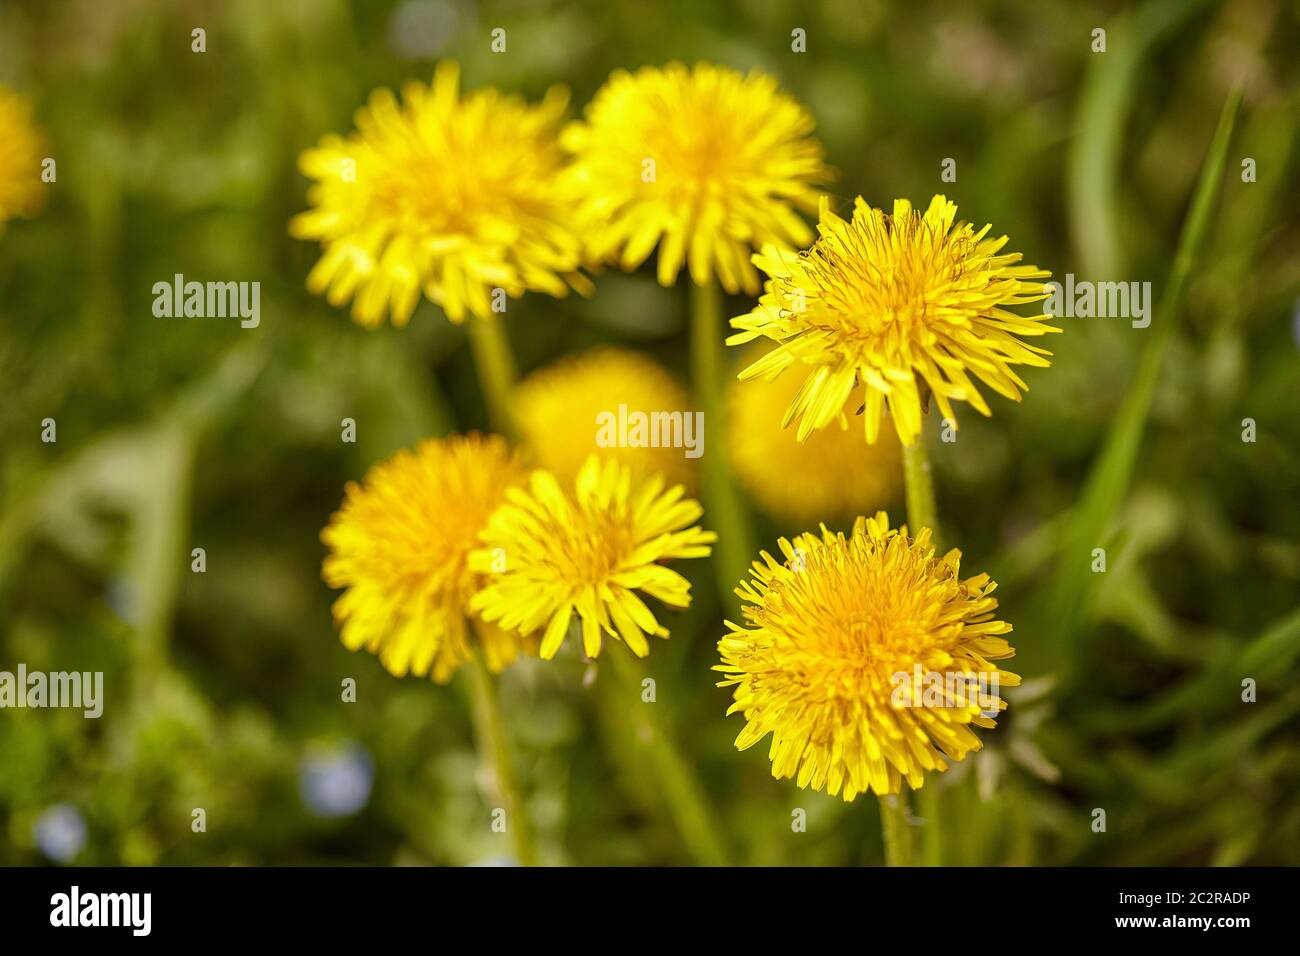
(705, 163)
(838, 638)
(400, 545)
(453, 196)
(887, 309)
(831, 474)
(588, 551)
(561, 410)
(22, 148)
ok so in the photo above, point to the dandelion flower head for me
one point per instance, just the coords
(705, 163)
(827, 633)
(400, 547)
(886, 309)
(587, 550)
(447, 195)
(559, 408)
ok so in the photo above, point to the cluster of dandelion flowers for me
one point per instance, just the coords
(887, 309)
(22, 149)
(705, 163)
(588, 552)
(442, 194)
(827, 633)
(400, 545)
(560, 410)
(833, 473)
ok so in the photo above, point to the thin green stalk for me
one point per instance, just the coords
(918, 484)
(682, 792)
(725, 512)
(494, 747)
(929, 803)
(497, 371)
(895, 829)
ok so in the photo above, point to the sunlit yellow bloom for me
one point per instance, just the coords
(833, 473)
(400, 545)
(834, 637)
(447, 195)
(887, 309)
(705, 163)
(560, 410)
(588, 550)
(22, 149)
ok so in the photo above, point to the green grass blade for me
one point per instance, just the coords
(1107, 486)
(1104, 106)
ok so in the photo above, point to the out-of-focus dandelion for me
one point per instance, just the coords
(22, 148)
(588, 551)
(833, 473)
(887, 309)
(558, 407)
(447, 195)
(400, 545)
(704, 163)
(828, 633)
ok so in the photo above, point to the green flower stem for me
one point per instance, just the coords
(682, 791)
(919, 488)
(930, 806)
(494, 747)
(895, 829)
(724, 511)
(918, 483)
(497, 371)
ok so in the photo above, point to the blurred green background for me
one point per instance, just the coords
(222, 689)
